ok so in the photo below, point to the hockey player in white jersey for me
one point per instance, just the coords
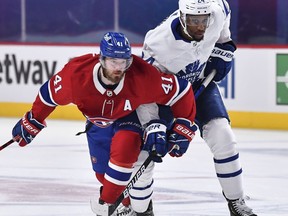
(190, 43)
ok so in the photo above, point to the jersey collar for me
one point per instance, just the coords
(98, 84)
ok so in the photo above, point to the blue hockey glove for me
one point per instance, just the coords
(155, 139)
(26, 129)
(180, 137)
(221, 60)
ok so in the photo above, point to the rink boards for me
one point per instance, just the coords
(255, 91)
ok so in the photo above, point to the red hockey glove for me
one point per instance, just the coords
(26, 129)
(180, 137)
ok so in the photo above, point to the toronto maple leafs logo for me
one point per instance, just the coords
(191, 71)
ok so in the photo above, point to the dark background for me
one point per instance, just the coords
(85, 21)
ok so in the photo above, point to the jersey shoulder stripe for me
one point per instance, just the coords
(45, 95)
(226, 8)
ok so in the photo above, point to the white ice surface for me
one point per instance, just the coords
(53, 175)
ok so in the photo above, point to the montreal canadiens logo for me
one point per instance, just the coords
(101, 122)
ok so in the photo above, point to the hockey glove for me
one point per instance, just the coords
(155, 139)
(221, 60)
(180, 137)
(26, 129)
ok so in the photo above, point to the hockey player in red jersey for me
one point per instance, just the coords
(107, 88)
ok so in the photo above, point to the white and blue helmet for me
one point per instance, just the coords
(195, 7)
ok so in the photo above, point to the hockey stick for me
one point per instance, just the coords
(131, 183)
(145, 164)
(205, 83)
(7, 144)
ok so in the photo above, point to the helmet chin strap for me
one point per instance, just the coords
(184, 26)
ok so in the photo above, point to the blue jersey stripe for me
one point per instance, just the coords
(45, 94)
(226, 9)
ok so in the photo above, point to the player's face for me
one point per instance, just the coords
(114, 68)
(196, 26)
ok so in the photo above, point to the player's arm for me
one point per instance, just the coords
(183, 129)
(223, 51)
(220, 60)
(179, 96)
(52, 93)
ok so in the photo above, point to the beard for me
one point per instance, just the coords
(114, 78)
(198, 39)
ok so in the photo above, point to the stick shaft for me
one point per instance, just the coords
(131, 183)
(204, 84)
(6, 144)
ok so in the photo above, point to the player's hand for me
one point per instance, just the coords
(155, 139)
(26, 129)
(221, 60)
(180, 137)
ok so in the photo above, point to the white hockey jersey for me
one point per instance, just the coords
(164, 48)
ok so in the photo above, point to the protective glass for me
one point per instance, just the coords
(197, 20)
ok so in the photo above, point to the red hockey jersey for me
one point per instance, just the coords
(78, 83)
